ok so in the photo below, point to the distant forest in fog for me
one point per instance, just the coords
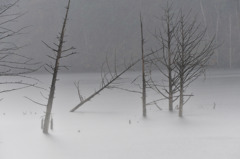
(100, 27)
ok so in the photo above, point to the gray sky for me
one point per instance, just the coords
(96, 27)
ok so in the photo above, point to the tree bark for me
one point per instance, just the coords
(170, 85)
(181, 98)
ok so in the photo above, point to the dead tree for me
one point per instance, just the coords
(164, 60)
(193, 51)
(59, 53)
(108, 79)
(144, 102)
(14, 68)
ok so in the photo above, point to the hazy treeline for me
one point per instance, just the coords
(100, 27)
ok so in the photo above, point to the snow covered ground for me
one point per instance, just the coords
(111, 126)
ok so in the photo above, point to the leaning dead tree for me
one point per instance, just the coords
(108, 79)
(14, 68)
(58, 54)
(164, 60)
(193, 53)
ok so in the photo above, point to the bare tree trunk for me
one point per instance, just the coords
(181, 97)
(170, 79)
(143, 72)
(51, 97)
(170, 98)
(55, 73)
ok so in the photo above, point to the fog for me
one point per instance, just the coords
(102, 128)
(112, 125)
(99, 27)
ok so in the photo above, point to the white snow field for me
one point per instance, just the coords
(111, 126)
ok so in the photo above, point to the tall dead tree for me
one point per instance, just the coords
(59, 53)
(144, 102)
(193, 51)
(14, 67)
(164, 60)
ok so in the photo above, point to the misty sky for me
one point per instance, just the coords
(95, 27)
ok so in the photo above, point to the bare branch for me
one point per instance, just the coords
(77, 85)
(49, 47)
(35, 102)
